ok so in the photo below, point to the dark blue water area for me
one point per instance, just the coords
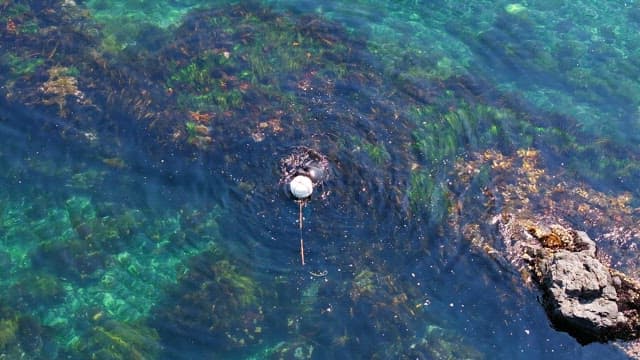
(120, 245)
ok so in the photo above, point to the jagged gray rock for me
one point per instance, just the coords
(581, 295)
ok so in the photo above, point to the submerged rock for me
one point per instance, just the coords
(581, 295)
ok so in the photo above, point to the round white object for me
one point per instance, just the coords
(301, 187)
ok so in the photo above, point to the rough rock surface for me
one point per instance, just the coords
(581, 295)
(504, 189)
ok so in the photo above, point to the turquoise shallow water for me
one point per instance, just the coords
(141, 214)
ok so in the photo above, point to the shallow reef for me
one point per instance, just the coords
(170, 139)
(24, 335)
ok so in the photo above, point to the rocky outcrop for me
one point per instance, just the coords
(581, 295)
(524, 219)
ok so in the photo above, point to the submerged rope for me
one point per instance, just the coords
(301, 241)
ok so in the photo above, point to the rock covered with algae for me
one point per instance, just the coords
(537, 222)
(581, 295)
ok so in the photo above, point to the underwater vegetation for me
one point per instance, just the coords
(558, 55)
(200, 90)
(237, 84)
(231, 84)
(376, 152)
(525, 187)
(412, 136)
(73, 261)
(111, 339)
(62, 84)
(23, 335)
(125, 22)
(80, 254)
(36, 290)
(218, 301)
(18, 19)
(87, 269)
(20, 66)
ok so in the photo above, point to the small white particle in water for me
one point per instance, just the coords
(413, 275)
(451, 305)
(526, 331)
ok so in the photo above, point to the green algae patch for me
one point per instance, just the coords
(203, 85)
(221, 301)
(21, 65)
(22, 335)
(253, 57)
(377, 153)
(112, 339)
(8, 333)
(127, 22)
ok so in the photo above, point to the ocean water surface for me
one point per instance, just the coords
(142, 214)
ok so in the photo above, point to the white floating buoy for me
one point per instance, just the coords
(301, 187)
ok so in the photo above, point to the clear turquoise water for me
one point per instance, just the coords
(126, 236)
